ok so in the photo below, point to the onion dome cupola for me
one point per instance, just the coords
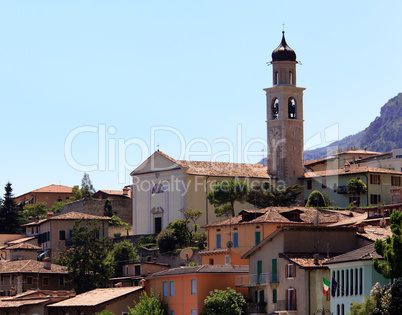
(283, 52)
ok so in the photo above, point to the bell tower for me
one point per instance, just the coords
(285, 118)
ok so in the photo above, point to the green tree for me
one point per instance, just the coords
(166, 240)
(87, 190)
(224, 302)
(193, 215)
(266, 195)
(77, 193)
(116, 221)
(316, 199)
(88, 261)
(57, 206)
(124, 253)
(35, 210)
(10, 217)
(181, 231)
(224, 195)
(391, 250)
(356, 187)
(377, 303)
(149, 305)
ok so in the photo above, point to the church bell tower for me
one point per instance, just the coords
(285, 118)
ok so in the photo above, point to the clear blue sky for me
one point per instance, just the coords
(197, 67)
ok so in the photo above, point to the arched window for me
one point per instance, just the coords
(292, 108)
(276, 78)
(291, 77)
(275, 108)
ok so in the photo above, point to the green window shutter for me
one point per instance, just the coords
(274, 296)
(257, 237)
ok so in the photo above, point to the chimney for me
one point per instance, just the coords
(31, 219)
(360, 228)
(47, 263)
(49, 215)
(315, 257)
(125, 191)
(118, 285)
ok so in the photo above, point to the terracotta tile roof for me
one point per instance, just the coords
(96, 297)
(27, 246)
(283, 216)
(30, 266)
(20, 240)
(221, 169)
(77, 216)
(364, 253)
(10, 303)
(353, 169)
(305, 260)
(208, 252)
(219, 269)
(317, 161)
(53, 189)
(373, 233)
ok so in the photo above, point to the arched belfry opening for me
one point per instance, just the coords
(275, 108)
(292, 108)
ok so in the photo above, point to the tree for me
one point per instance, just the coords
(391, 250)
(225, 194)
(10, 217)
(356, 187)
(193, 215)
(149, 305)
(266, 195)
(181, 231)
(316, 199)
(224, 302)
(57, 206)
(116, 221)
(124, 253)
(88, 261)
(35, 210)
(377, 303)
(166, 240)
(87, 190)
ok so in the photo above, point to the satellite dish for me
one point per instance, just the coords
(229, 244)
(186, 253)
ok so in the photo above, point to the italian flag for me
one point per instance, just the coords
(326, 285)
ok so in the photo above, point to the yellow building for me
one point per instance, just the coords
(162, 186)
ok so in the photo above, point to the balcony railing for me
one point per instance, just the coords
(256, 279)
(253, 308)
(283, 305)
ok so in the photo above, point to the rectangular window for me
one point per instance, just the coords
(274, 296)
(62, 235)
(227, 260)
(235, 239)
(171, 287)
(375, 199)
(193, 286)
(45, 280)
(165, 288)
(309, 184)
(395, 181)
(352, 199)
(193, 312)
(12, 279)
(291, 299)
(29, 280)
(290, 270)
(257, 237)
(324, 182)
(375, 179)
(171, 312)
(137, 270)
(218, 241)
(259, 271)
(1, 280)
(62, 281)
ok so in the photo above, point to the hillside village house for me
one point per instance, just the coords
(333, 182)
(286, 268)
(162, 186)
(55, 232)
(355, 275)
(18, 276)
(114, 300)
(185, 288)
(248, 228)
(49, 194)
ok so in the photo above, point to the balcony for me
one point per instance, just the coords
(252, 280)
(283, 305)
(257, 308)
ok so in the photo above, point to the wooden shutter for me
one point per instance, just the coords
(294, 270)
(294, 300)
(286, 271)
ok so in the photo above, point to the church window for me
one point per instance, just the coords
(276, 78)
(275, 109)
(157, 189)
(291, 77)
(292, 108)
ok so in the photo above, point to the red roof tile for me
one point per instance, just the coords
(353, 169)
(30, 266)
(54, 189)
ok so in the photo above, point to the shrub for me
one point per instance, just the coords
(166, 240)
